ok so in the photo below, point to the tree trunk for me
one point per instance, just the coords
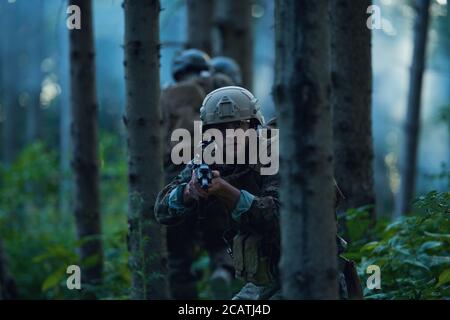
(200, 24)
(143, 121)
(65, 186)
(11, 112)
(33, 74)
(411, 130)
(448, 117)
(351, 100)
(234, 20)
(302, 82)
(85, 143)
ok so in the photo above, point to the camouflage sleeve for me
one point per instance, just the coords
(169, 215)
(264, 212)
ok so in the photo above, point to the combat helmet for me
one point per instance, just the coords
(229, 104)
(228, 67)
(191, 60)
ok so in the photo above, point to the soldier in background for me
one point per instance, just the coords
(180, 104)
(227, 66)
(180, 101)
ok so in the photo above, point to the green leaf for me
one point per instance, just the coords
(41, 257)
(53, 280)
(370, 246)
(444, 237)
(430, 245)
(439, 260)
(394, 225)
(352, 255)
(416, 264)
(444, 277)
(377, 296)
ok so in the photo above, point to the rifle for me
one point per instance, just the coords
(202, 171)
(204, 176)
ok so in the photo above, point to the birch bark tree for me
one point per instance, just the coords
(308, 263)
(146, 238)
(84, 129)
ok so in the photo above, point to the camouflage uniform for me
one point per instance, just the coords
(256, 232)
(180, 104)
(255, 246)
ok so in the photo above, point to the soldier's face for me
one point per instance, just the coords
(230, 141)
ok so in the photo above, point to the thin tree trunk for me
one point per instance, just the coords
(308, 231)
(234, 20)
(448, 51)
(65, 186)
(11, 112)
(85, 143)
(351, 100)
(146, 238)
(408, 163)
(34, 74)
(3, 79)
(200, 24)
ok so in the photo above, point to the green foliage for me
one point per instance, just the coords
(41, 241)
(31, 177)
(412, 252)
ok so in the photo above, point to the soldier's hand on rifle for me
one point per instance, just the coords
(218, 187)
(193, 190)
(223, 190)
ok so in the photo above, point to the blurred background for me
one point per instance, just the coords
(35, 191)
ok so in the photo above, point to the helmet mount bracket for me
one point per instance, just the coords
(226, 108)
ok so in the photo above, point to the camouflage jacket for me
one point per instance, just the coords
(255, 233)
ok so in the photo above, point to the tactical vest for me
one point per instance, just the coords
(255, 254)
(255, 259)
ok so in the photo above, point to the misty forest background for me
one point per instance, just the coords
(42, 227)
